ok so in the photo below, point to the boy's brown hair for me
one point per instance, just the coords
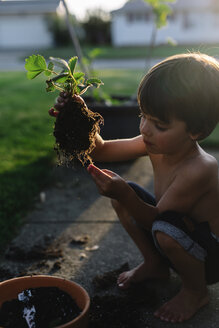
(184, 87)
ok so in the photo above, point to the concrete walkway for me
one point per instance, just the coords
(72, 207)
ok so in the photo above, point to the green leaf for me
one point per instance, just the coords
(50, 86)
(95, 82)
(61, 78)
(60, 62)
(47, 73)
(32, 75)
(50, 66)
(78, 76)
(94, 53)
(35, 65)
(170, 41)
(35, 62)
(72, 63)
(161, 10)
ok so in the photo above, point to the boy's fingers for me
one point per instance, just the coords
(64, 94)
(60, 99)
(94, 170)
(110, 173)
(97, 173)
(59, 106)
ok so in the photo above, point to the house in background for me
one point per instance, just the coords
(23, 24)
(192, 22)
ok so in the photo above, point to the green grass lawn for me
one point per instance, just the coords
(26, 147)
(109, 52)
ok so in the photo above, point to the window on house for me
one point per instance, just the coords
(147, 16)
(137, 17)
(186, 21)
(130, 17)
(172, 17)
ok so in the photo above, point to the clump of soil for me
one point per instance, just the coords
(75, 129)
(43, 307)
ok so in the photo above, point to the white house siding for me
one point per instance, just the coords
(202, 28)
(193, 23)
(24, 31)
(137, 33)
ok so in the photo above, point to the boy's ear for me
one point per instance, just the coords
(195, 136)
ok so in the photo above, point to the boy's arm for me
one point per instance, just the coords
(113, 186)
(118, 149)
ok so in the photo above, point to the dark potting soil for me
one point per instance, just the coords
(74, 131)
(43, 307)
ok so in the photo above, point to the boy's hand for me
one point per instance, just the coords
(61, 101)
(64, 98)
(108, 183)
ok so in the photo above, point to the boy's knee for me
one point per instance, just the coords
(115, 204)
(166, 242)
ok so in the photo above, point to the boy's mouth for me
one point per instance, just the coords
(148, 143)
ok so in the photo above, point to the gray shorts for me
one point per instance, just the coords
(200, 242)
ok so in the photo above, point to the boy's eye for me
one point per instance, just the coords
(157, 125)
(161, 128)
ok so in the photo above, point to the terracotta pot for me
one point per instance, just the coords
(9, 289)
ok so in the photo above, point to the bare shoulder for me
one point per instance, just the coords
(202, 168)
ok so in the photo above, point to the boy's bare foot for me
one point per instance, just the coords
(141, 273)
(182, 307)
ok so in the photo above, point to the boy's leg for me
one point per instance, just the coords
(193, 294)
(153, 265)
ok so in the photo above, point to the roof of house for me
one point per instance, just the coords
(28, 7)
(193, 4)
(140, 5)
(133, 5)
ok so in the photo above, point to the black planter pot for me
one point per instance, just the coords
(119, 121)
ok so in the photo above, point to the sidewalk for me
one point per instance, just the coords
(51, 242)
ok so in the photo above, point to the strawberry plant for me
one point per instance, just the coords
(75, 125)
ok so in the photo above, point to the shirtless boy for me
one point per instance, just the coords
(179, 227)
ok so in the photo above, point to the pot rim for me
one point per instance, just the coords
(61, 280)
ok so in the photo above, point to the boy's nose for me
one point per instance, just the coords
(145, 127)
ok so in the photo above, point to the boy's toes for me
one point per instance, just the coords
(123, 284)
(164, 314)
(123, 281)
(168, 316)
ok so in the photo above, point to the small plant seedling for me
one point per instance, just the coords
(75, 125)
